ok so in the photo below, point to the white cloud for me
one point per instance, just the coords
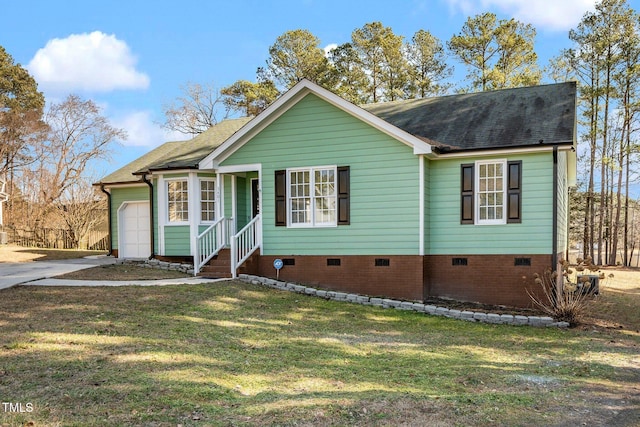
(558, 15)
(328, 48)
(142, 131)
(94, 62)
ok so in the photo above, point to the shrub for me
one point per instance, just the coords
(566, 300)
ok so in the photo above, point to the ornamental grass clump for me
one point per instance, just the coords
(566, 295)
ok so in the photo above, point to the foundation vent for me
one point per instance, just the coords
(333, 261)
(522, 262)
(459, 261)
(382, 262)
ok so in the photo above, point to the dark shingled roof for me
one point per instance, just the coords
(505, 118)
(178, 154)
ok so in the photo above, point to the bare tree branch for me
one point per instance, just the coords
(200, 107)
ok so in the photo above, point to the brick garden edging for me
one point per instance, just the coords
(471, 316)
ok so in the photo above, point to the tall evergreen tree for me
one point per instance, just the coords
(428, 67)
(380, 53)
(249, 98)
(498, 53)
(295, 55)
(605, 62)
(349, 78)
(21, 109)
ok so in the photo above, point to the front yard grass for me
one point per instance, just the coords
(231, 354)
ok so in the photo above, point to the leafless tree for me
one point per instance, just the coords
(198, 108)
(78, 134)
(81, 208)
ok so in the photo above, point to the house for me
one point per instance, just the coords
(460, 196)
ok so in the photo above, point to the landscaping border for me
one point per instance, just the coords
(158, 265)
(470, 316)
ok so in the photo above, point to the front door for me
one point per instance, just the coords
(255, 197)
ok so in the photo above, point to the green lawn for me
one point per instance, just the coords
(238, 354)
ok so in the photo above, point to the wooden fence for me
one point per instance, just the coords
(53, 238)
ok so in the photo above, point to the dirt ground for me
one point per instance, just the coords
(122, 272)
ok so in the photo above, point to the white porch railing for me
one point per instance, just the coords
(211, 241)
(245, 242)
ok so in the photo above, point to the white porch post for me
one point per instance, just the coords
(234, 204)
(260, 211)
(421, 208)
(219, 196)
(161, 191)
(193, 191)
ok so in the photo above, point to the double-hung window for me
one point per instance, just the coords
(207, 200)
(178, 201)
(312, 197)
(490, 197)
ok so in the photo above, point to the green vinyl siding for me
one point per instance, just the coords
(242, 212)
(228, 202)
(177, 240)
(384, 193)
(119, 196)
(532, 236)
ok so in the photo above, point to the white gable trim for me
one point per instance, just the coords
(288, 100)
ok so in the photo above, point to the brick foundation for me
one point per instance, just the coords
(401, 278)
(488, 279)
(185, 259)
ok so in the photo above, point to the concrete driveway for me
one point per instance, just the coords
(16, 273)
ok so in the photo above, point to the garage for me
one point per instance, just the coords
(134, 226)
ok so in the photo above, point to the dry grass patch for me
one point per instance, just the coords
(231, 353)
(618, 305)
(11, 253)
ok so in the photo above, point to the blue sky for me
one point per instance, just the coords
(132, 56)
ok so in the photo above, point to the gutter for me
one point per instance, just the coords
(468, 152)
(151, 224)
(109, 222)
(554, 243)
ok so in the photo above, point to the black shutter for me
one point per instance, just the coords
(466, 194)
(514, 192)
(344, 217)
(281, 197)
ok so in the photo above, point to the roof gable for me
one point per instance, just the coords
(506, 118)
(291, 98)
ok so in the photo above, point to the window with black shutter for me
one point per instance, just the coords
(466, 194)
(281, 197)
(491, 193)
(316, 196)
(344, 217)
(514, 192)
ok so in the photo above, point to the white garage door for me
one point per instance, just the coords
(134, 227)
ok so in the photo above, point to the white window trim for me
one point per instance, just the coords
(476, 184)
(167, 181)
(311, 171)
(215, 199)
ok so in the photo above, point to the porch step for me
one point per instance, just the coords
(218, 267)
